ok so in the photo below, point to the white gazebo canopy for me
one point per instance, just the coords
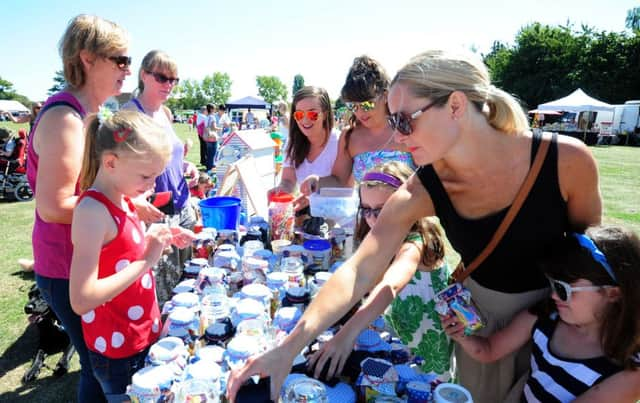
(12, 106)
(577, 101)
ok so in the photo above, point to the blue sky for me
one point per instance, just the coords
(317, 39)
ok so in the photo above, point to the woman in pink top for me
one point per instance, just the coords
(95, 60)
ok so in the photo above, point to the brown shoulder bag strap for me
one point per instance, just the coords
(461, 273)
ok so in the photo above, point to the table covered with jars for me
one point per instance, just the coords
(241, 294)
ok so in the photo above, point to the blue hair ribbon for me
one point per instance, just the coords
(596, 253)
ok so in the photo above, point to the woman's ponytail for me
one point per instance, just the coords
(505, 113)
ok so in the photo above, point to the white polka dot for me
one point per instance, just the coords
(117, 339)
(135, 312)
(100, 344)
(89, 316)
(135, 235)
(122, 263)
(117, 220)
(155, 328)
(146, 281)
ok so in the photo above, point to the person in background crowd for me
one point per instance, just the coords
(200, 186)
(222, 121)
(157, 77)
(8, 140)
(474, 149)
(283, 121)
(95, 64)
(211, 135)
(202, 119)
(249, 119)
(30, 117)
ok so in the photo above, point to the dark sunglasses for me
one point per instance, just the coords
(162, 79)
(370, 211)
(400, 122)
(364, 106)
(121, 61)
(311, 115)
(564, 290)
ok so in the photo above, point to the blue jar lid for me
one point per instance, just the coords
(317, 244)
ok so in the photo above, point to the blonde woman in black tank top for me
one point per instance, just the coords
(476, 140)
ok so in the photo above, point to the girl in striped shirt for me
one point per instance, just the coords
(586, 339)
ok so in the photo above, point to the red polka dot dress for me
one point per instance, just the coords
(130, 322)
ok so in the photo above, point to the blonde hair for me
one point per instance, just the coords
(125, 131)
(436, 73)
(430, 232)
(93, 34)
(156, 60)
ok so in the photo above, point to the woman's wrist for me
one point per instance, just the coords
(293, 344)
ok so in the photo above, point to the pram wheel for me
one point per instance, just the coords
(23, 192)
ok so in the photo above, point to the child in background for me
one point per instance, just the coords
(111, 283)
(201, 186)
(590, 331)
(415, 275)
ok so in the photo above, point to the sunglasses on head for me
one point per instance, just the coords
(564, 290)
(162, 79)
(121, 61)
(311, 115)
(368, 212)
(364, 106)
(401, 122)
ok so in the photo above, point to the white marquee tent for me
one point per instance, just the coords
(577, 101)
(12, 106)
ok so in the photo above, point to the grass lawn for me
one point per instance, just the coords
(620, 181)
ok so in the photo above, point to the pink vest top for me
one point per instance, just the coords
(52, 248)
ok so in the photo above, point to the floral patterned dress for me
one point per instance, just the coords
(413, 317)
(364, 162)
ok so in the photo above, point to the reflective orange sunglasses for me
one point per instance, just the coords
(311, 115)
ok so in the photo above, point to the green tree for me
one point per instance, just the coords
(6, 89)
(539, 67)
(58, 83)
(8, 92)
(271, 88)
(189, 94)
(298, 82)
(216, 88)
(633, 20)
(547, 62)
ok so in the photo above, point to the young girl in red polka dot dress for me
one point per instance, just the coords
(111, 283)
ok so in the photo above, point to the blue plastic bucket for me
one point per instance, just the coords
(220, 212)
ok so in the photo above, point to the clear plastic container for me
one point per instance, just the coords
(305, 390)
(318, 253)
(254, 270)
(215, 307)
(337, 204)
(294, 268)
(197, 390)
(281, 216)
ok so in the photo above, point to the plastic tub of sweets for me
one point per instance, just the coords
(338, 204)
(451, 393)
(318, 253)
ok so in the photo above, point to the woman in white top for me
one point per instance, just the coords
(313, 146)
